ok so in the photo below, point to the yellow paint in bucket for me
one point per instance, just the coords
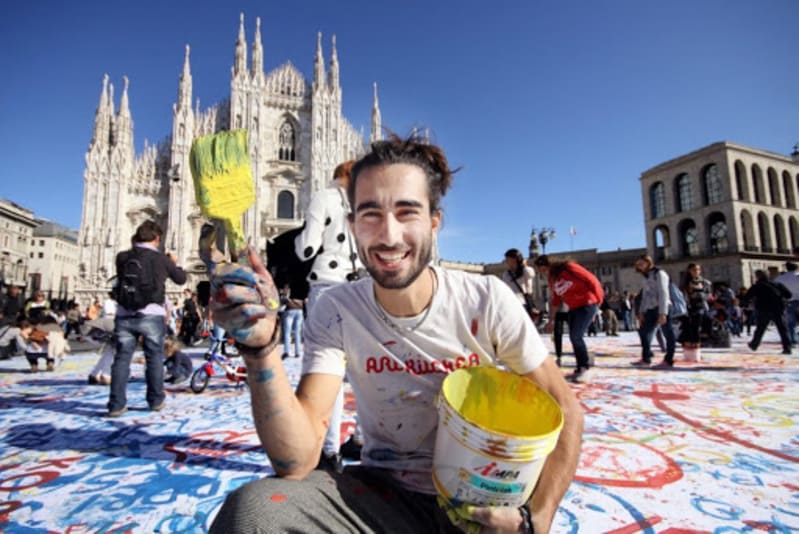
(495, 431)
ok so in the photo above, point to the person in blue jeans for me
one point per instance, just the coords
(147, 322)
(580, 290)
(654, 312)
(291, 322)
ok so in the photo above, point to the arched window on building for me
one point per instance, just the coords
(747, 232)
(793, 230)
(717, 233)
(779, 235)
(287, 139)
(740, 181)
(711, 180)
(285, 205)
(757, 184)
(764, 232)
(662, 241)
(774, 187)
(682, 188)
(657, 200)
(689, 238)
(790, 193)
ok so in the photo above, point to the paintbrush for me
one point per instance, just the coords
(223, 182)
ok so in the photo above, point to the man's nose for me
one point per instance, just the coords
(391, 231)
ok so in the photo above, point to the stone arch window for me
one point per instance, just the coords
(774, 187)
(711, 181)
(662, 240)
(689, 238)
(285, 205)
(779, 235)
(757, 184)
(793, 230)
(682, 193)
(657, 199)
(717, 233)
(764, 232)
(790, 193)
(747, 231)
(287, 139)
(740, 181)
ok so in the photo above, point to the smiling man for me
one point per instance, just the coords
(402, 330)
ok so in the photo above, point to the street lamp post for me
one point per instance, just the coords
(543, 236)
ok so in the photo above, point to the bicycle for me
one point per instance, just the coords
(217, 364)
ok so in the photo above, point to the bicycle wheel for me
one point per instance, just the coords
(199, 380)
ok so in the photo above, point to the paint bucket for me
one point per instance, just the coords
(495, 430)
(692, 354)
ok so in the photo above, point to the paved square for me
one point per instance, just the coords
(709, 447)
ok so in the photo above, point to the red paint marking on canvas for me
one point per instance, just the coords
(657, 399)
(645, 523)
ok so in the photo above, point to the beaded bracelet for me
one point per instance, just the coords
(527, 520)
(266, 350)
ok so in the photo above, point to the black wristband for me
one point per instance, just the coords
(527, 520)
(258, 352)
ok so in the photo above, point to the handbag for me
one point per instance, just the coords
(529, 303)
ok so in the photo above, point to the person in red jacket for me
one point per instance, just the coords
(579, 289)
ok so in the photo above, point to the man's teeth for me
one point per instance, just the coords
(390, 258)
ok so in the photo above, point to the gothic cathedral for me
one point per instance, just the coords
(297, 136)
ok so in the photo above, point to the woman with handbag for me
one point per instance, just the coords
(519, 278)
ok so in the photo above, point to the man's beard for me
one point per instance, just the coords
(395, 280)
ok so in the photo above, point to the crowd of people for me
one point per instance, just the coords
(374, 309)
(693, 312)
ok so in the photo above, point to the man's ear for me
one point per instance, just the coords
(436, 218)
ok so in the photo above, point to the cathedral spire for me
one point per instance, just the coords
(101, 116)
(333, 74)
(185, 85)
(257, 52)
(376, 134)
(240, 65)
(110, 108)
(124, 106)
(319, 64)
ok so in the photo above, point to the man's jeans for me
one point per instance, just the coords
(646, 331)
(127, 330)
(791, 319)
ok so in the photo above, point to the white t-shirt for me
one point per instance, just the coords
(109, 308)
(525, 282)
(472, 320)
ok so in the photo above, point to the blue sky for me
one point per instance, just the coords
(552, 108)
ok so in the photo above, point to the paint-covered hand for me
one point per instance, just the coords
(245, 301)
(483, 519)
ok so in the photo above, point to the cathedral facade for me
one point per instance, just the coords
(297, 136)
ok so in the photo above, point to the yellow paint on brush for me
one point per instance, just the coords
(502, 402)
(223, 183)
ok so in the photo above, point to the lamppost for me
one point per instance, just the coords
(543, 236)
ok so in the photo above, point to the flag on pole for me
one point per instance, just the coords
(572, 231)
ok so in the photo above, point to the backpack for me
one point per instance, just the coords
(678, 305)
(135, 287)
(284, 265)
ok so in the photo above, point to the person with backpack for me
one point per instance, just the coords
(140, 291)
(769, 299)
(654, 311)
(327, 238)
